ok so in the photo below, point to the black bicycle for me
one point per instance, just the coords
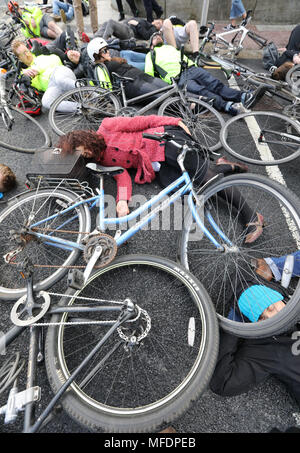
(125, 350)
(92, 104)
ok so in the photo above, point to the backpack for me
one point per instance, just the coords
(85, 7)
(270, 55)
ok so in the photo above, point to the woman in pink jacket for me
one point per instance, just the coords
(119, 141)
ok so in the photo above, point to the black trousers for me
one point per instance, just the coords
(150, 6)
(131, 5)
(198, 168)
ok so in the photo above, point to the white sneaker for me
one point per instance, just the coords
(229, 27)
(287, 271)
(240, 107)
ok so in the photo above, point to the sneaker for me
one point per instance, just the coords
(287, 271)
(63, 16)
(253, 97)
(80, 83)
(56, 17)
(272, 69)
(229, 27)
(236, 109)
(233, 111)
(121, 17)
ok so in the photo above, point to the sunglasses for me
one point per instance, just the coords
(103, 51)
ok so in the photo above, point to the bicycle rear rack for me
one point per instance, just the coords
(81, 188)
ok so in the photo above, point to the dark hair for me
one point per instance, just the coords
(119, 60)
(9, 178)
(89, 139)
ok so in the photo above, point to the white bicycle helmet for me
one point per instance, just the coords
(94, 47)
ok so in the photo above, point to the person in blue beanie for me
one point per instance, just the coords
(244, 363)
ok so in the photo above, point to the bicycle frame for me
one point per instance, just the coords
(168, 90)
(241, 30)
(186, 187)
(233, 49)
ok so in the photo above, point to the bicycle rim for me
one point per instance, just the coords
(225, 273)
(82, 108)
(203, 121)
(293, 79)
(262, 138)
(139, 386)
(40, 205)
(26, 135)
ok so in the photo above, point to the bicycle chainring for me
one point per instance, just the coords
(26, 317)
(109, 249)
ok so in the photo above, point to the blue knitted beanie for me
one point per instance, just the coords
(254, 300)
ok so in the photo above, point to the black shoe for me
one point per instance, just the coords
(252, 98)
(121, 17)
(135, 13)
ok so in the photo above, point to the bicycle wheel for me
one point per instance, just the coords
(15, 220)
(224, 273)
(293, 79)
(24, 134)
(262, 138)
(82, 108)
(127, 387)
(203, 121)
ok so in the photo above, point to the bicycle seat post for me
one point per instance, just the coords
(123, 94)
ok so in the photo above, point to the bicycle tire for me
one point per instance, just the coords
(204, 122)
(169, 371)
(224, 272)
(293, 79)
(23, 128)
(92, 105)
(240, 137)
(14, 216)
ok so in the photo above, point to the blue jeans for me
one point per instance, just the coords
(135, 59)
(277, 264)
(68, 9)
(237, 9)
(200, 82)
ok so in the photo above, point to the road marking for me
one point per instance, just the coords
(272, 171)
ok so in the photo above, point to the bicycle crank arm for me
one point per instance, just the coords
(92, 262)
(10, 255)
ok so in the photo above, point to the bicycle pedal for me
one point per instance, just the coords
(75, 279)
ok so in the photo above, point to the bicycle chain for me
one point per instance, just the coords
(119, 329)
(53, 266)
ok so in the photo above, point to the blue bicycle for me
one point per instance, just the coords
(52, 226)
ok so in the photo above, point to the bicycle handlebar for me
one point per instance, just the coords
(165, 136)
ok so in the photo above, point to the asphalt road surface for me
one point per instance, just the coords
(258, 411)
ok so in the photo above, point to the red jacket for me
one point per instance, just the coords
(127, 148)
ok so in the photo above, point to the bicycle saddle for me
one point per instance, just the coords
(124, 79)
(100, 170)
